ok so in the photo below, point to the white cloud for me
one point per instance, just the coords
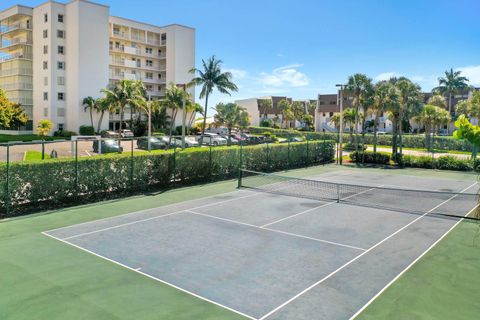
(472, 73)
(238, 73)
(280, 55)
(417, 78)
(287, 76)
(386, 75)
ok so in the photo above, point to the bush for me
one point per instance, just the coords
(266, 123)
(64, 134)
(45, 184)
(87, 131)
(370, 157)
(351, 147)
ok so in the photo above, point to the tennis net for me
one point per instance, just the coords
(457, 204)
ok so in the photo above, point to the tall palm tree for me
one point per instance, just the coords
(209, 78)
(124, 93)
(264, 105)
(350, 117)
(358, 85)
(432, 117)
(194, 108)
(229, 115)
(285, 108)
(102, 105)
(173, 101)
(410, 99)
(450, 84)
(89, 103)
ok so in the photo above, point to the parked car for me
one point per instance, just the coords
(189, 142)
(212, 139)
(254, 139)
(230, 139)
(125, 133)
(110, 134)
(155, 143)
(107, 146)
(220, 131)
(296, 139)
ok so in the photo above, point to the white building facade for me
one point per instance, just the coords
(55, 54)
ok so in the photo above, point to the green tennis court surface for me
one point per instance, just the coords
(256, 252)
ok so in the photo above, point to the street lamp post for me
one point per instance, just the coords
(340, 134)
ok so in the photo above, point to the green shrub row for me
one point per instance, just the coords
(370, 157)
(447, 143)
(35, 186)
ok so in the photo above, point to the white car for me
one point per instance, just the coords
(212, 139)
(125, 133)
(189, 142)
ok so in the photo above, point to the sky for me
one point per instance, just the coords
(300, 48)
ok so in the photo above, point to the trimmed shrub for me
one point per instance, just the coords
(39, 185)
(64, 134)
(351, 147)
(370, 157)
(87, 131)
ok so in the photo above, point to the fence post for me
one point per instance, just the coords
(308, 161)
(43, 150)
(76, 167)
(288, 153)
(174, 165)
(210, 169)
(131, 164)
(8, 200)
(338, 193)
(267, 167)
(240, 160)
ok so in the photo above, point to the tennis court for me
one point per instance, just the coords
(285, 248)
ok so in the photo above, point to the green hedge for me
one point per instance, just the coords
(370, 157)
(38, 185)
(447, 143)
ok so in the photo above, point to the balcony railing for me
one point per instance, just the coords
(15, 56)
(16, 71)
(153, 41)
(120, 34)
(22, 101)
(16, 26)
(15, 41)
(16, 86)
(125, 75)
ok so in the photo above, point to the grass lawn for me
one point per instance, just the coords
(41, 278)
(423, 149)
(25, 137)
(32, 155)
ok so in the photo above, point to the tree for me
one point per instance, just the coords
(450, 84)
(263, 106)
(385, 94)
(298, 110)
(124, 93)
(12, 114)
(194, 109)
(410, 99)
(89, 104)
(431, 117)
(173, 101)
(467, 131)
(350, 118)
(437, 100)
(101, 106)
(44, 127)
(230, 115)
(209, 78)
(359, 85)
(285, 108)
(470, 107)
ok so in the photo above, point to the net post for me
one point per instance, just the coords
(8, 200)
(240, 176)
(76, 167)
(131, 164)
(338, 193)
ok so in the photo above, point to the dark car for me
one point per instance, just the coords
(155, 143)
(254, 139)
(107, 146)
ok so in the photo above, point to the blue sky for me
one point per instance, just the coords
(304, 47)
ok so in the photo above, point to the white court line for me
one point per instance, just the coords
(276, 231)
(359, 256)
(151, 277)
(409, 266)
(152, 218)
(323, 205)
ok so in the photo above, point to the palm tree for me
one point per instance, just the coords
(230, 115)
(102, 105)
(359, 85)
(431, 117)
(450, 84)
(209, 78)
(298, 110)
(124, 93)
(350, 117)
(285, 108)
(410, 99)
(89, 103)
(194, 108)
(173, 101)
(264, 105)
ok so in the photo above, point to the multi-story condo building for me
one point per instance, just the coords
(259, 111)
(56, 54)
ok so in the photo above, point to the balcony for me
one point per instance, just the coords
(125, 76)
(153, 41)
(16, 71)
(19, 55)
(15, 41)
(121, 34)
(22, 101)
(16, 26)
(16, 86)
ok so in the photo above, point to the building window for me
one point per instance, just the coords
(45, 81)
(45, 49)
(45, 96)
(159, 53)
(159, 88)
(60, 34)
(149, 63)
(61, 65)
(331, 114)
(61, 112)
(60, 96)
(60, 126)
(60, 18)
(45, 65)
(45, 17)
(148, 50)
(61, 81)
(45, 34)
(149, 75)
(61, 50)
(45, 112)
(159, 76)
(149, 87)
